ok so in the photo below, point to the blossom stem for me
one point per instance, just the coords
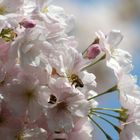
(103, 57)
(114, 88)
(114, 126)
(107, 136)
(109, 109)
(85, 50)
(116, 117)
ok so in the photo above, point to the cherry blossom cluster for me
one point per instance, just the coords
(46, 92)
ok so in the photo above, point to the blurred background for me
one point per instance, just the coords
(105, 15)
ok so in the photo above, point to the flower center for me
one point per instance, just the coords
(2, 82)
(30, 95)
(62, 106)
(123, 114)
(2, 10)
(8, 34)
(45, 10)
(52, 99)
(19, 136)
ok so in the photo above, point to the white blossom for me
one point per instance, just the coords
(116, 58)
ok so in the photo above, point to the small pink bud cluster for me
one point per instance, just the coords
(93, 51)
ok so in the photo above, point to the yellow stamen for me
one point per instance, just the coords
(19, 136)
(30, 94)
(45, 10)
(2, 10)
(8, 34)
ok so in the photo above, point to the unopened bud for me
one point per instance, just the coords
(27, 23)
(93, 51)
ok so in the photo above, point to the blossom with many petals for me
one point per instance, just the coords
(130, 100)
(64, 105)
(116, 58)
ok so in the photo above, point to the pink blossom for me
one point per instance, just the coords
(10, 126)
(66, 104)
(22, 97)
(131, 128)
(81, 131)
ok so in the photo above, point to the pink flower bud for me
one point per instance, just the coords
(93, 51)
(28, 23)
